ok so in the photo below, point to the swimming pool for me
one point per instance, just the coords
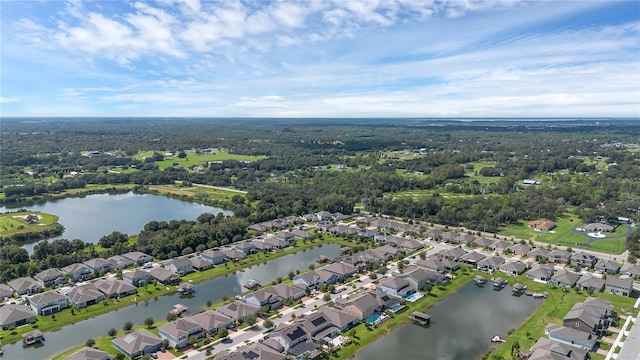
(374, 319)
(396, 307)
(414, 297)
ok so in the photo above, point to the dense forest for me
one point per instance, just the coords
(461, 173)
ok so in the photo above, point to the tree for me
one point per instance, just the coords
(268, 324)
(112, 332)
(148, 322)
(326, 297)
(251, 320)
(127, 326)
(165, 343)
(90, 342)
(223, 333)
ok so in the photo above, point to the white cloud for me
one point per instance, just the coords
(5, 100)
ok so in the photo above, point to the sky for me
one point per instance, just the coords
(320, 58)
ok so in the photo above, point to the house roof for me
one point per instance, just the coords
(180, 262)
(49, 274)
(538, 252)
(287, 291)
(364, 301)
(412, 244)
(118, 259)
(97, 263)
(337, 317)
(565, 277)
(519, 249)
(210, 319)
(617, 282)
(472, 256)
(500, 244)
(23, 283)
(431, 264)
(46, 297)
(455, 253)
(560, 253)
(633, 270)
(464, 239)
(74, 268)
(395, 282)
(483, 242)
(87, 353)
(212, 253)
(546, 349)
(199, 262)
(416, 274)
(162, 274)
(542, 224)
(11, 313)
(5, 291)
(513, 266)
(590, 281)
(492, 261)
(541, 271)
(135, 255)
(340, 268)
(238, 309)
(586, 314)
(291, 333)
(608, 264)
(255, 351)
(180, 327)
(84, 293)
(111, 287)
(136, 341)
(570, 334)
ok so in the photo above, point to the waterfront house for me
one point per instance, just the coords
(245, 246)
(285, 236)
(310, 279)
(559, 256)
(262, 245)
(138, 257)
(77, 271)
(513, 268)
(179, 331)
(615, 285)
(25, 285)
(482, 242)
(519, 249)
(590, 283)
(580, 259)
(180, 266)
(120, 262)
(200, 264)
(570, 336)
(472, 258)
(340, 319)
(564, 278)
(136, 277)
(361, 305)
(454, 253)
(215, 256)
(256, 351)
(264, 297)
(632, 270)
(303, 235)
(49, 277)
(541, 273)
(538, 254)
(546, 349)
(233, 255)
(395, 286)
(114, 288)
(238, 310)
(490, 263)
(211, 321)
(98, 265)
(137, 343)
(164, 276)
(85, 295)
(607, 266)
(277, 243)
(47, 303)
(592, 315)
(88, 353)
(432, 264)
(436, 278)
(14, 315)
(5, 291)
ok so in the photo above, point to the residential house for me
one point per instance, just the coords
(260, 227)
(465, 239)
(519, 249)
(513, 268)
(412, 245)
(77, 271)
(385, 252)
(137, 343)
(542, 225)
(323, 216)
(632, 270)
(338, 318)
(5, 292)
(448, 236)
(450, 265)
(49, 277)
(472, 258)
(114, 288)
(599, 227)
(564, 278)
(390, 239)
(200, 264)
(246, 247)
(538, 254)
(238, 310)
(233, 255)
(85, 295)
(288, 292)
(433, 234)
(490, 263)
(285, 236)
(277, 243)
(607, 266)
(290, 336)
(211, 321)
(310, 279)
(482, 242)
(303, 235)
(136, 277)
(615, 285)
(541, 273)
(138, 257)
(582, 260)
(47, 303)
(559, 256)
(454, 253)
(257, 351)
(500, 246)
(180, 266)
(25, 285)
(88, 353)
(337, 216)
(592, 315)
(215, 256)
(361, 305)
(164, 275)
(432, 264)
(120, 262)
(570, 336)
(14, 315)
(341, 270)
(319, 327)
(590, 283)
(264, 297)
(546, 349)
(395, 286)
(179, 331)
(98, 265)
(417, 277)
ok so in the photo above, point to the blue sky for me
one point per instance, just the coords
(347, 58)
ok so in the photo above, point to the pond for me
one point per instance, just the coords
(214, 290)
(91, 217)
(462, 326)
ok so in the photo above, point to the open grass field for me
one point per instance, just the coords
(562, 234)
(416, 194)
(16, 223)
(609, 246)
(197, 159)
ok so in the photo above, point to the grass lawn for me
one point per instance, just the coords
(12, 224)
(562, 234)
(552, 310)
(197, 159)
(611, 246)
(365, 335)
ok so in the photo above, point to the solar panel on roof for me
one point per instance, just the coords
(318, 321)
(129, 338)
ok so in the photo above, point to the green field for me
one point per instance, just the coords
(610, 246)
(562, 234)
(197, 159)
(16, 223)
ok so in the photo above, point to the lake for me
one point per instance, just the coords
(462, 326)
(230, 285)
(91, 217)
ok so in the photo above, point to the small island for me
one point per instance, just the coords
(22, 225)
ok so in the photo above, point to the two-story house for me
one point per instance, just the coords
(47, 303)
